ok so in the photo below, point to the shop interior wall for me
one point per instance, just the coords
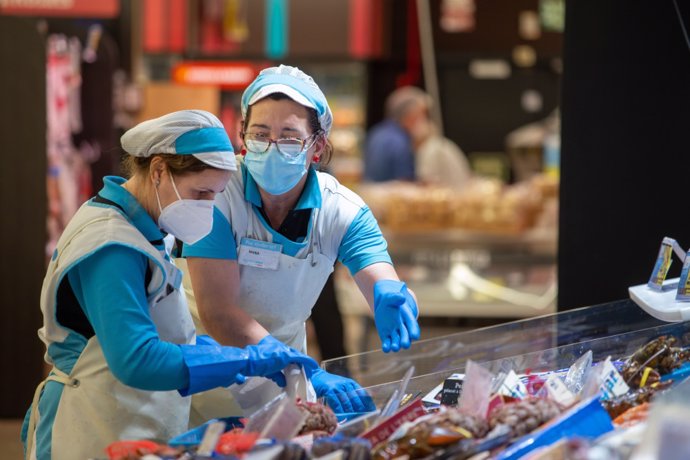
(23, 175)
(625, 159)
(23, 204)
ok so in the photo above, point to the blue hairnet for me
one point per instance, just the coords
(295, 84)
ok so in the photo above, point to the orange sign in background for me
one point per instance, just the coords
(228, 75)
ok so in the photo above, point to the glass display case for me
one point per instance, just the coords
(544, 343)
(455, 272)
(460, 274)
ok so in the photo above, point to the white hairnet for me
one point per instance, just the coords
(187, 132)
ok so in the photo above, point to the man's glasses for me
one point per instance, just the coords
(288, 146)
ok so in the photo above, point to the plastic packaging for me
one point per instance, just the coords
(476, 390)
(557, 391)
(280, 419)
(357, 425)
(298, 385)
(254, 394)
(577, 373)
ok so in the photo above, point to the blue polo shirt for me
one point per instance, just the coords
(362, 245)
(388, 153)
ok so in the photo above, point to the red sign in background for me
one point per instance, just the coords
(65, 8)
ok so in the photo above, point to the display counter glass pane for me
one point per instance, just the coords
(616, 330)
(443, 355)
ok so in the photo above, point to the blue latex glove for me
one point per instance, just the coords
(207, 340)
(270, 356)
(395, 314)
(341, 393)
(211, 365)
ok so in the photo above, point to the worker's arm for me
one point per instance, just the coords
(364, 252)
(117, 309)
(394, 306)
(216, 285)
(215, 277)
(369, 275)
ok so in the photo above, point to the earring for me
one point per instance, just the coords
(243, 151)
(316, 159)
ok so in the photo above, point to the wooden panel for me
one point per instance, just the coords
(319, 28)
(162, 98)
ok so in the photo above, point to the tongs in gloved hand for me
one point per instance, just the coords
(298, 385)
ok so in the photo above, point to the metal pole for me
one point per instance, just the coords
(426, 41)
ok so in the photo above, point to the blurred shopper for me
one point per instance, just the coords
(408, 146)
(438, 160)
(389, 147)
(116, 324)
(280, 228)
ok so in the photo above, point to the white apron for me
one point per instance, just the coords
(95, 408)
(281, 301)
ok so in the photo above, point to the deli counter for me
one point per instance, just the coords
(601, 382)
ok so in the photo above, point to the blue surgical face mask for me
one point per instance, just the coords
(274, 172)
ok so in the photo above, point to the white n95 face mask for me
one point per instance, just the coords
(187, 220)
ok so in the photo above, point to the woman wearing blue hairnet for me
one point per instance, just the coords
(116, 324)
(279, 228)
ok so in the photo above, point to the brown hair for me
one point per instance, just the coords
(313, 119)
(178, 165)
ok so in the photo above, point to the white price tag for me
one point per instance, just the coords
(558, 391)
(210, 439)
(512, 386)
(612, 382)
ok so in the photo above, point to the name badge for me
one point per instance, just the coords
(259, 254)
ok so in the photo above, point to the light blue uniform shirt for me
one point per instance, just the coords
(362, 245)
(110, 287)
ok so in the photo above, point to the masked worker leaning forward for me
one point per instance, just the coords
(280, 227)
(115, 322)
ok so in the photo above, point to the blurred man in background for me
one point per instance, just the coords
(408, 146)
(389, 149)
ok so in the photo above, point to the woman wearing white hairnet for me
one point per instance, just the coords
(281, 226)
(115, 322)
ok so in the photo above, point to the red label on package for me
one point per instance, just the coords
(382, 431)
(498, 400)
